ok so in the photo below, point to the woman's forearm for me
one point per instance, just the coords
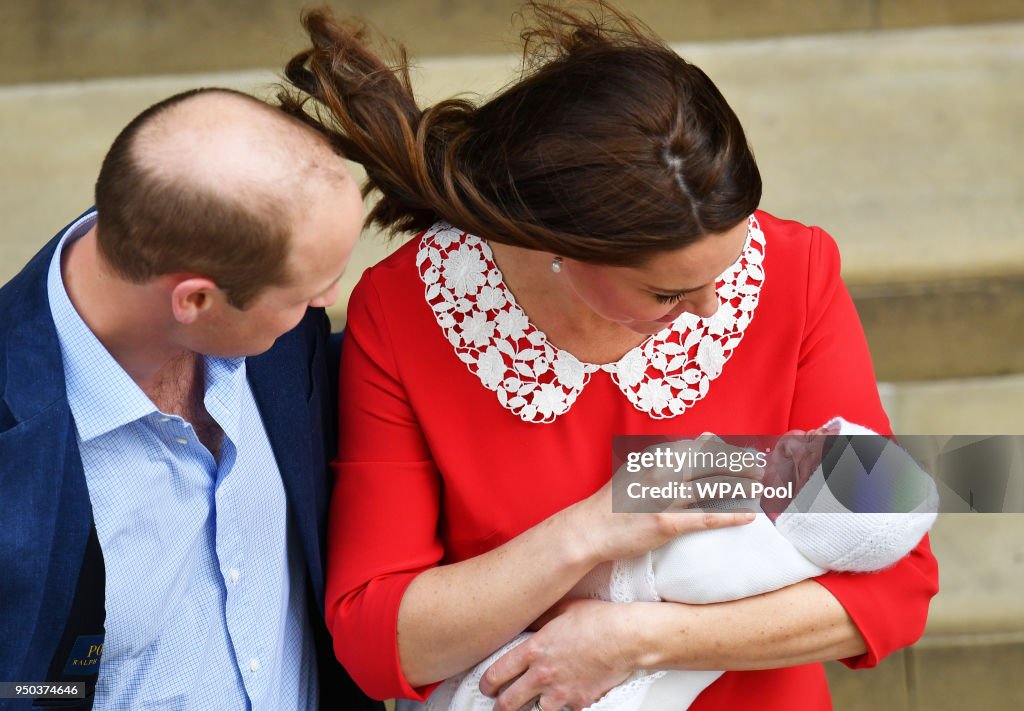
(799, 624)
(453, 616)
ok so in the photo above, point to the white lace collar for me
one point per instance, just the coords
(663, 376)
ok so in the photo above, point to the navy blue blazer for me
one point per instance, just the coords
(45, 514)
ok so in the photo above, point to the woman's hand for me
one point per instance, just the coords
(583, 649)
(600, 522)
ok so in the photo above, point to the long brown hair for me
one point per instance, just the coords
(609, 148)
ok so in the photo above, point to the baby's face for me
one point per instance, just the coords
(794, 458)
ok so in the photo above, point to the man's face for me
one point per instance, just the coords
(321, 244)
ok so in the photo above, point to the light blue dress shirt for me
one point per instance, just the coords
(205, 599)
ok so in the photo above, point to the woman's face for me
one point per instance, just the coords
(647, 298)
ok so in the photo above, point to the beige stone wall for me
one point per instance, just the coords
(56, 40)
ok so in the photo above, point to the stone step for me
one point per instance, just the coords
(944, 328)
(59, 40)
(982, 674)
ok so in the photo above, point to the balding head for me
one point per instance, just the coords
(210, 182)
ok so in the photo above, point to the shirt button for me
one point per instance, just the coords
(254, 664)
(234, 574)
(165, 419)
(181, 440)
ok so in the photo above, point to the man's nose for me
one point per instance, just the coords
(326, 299)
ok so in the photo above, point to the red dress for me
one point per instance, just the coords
(461, 427)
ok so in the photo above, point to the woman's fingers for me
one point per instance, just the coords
(510, 665)
(514, 683)
(524, 691)
(680, 522)
(584, 650)
(728, 487)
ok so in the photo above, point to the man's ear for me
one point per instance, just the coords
(191, 296)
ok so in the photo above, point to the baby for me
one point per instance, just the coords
(772, 552)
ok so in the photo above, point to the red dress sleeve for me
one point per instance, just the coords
(384, 510)
(835, 377)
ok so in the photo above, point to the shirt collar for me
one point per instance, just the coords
(101, 394)
(225, 384)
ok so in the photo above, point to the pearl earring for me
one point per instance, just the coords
(556, 265)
